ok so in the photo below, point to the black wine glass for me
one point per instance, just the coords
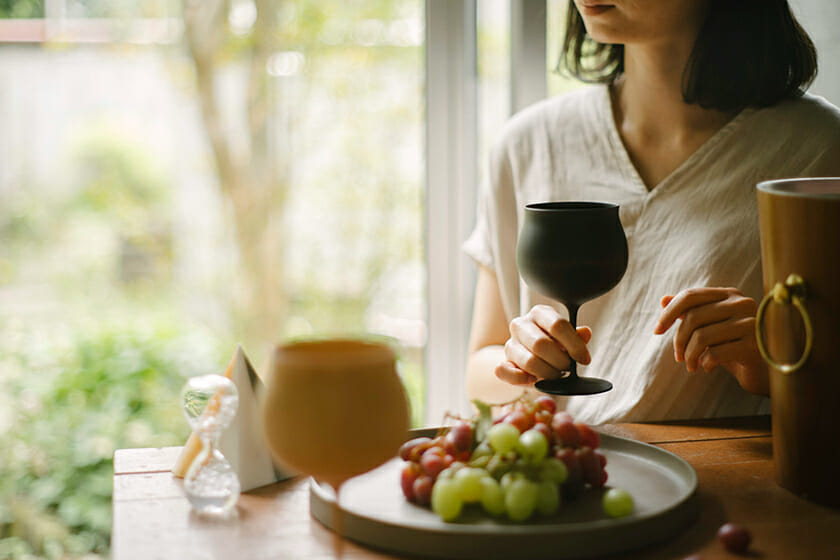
(572, 252)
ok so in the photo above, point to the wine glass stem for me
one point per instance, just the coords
(573, 312)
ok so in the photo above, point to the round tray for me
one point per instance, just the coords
(375, 513)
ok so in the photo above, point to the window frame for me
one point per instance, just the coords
(452, 175)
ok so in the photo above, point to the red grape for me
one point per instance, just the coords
(544, 402)
(423, 489)
(544, 430)
(570, 459)
(521, 420)
(410, 445)
(461, 435)
(590, 468)
(602, 460)
(543, 416)
(432, 463)
(565, 429)
(588, 436)
(734, 538)
(408, 476)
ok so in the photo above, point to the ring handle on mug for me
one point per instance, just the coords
(792, 291)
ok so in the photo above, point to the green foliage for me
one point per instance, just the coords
(21, 9)
(116, 177)
(73, 407)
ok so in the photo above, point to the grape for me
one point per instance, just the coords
(521, 499)
(542, 427)
(411, 445)
(445, 499)
(554, 470)
(521, 420)
(734, 538)
(423, 489)
(602, 460)
(492, 496)
(544, 402)
(574, 481)
(503, 437)
(617, 502)
(565, 429)
(508, 478)
(532, 446)
(590, 467)
(588, 436)
(461, 436)
(548, 498)
(480, 462)
(468, 481)
(482, 449)
(408, 475)
(432, 463)
(498, 466)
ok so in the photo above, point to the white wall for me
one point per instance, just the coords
(821, 19)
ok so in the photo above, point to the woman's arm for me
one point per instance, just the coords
(488, 335)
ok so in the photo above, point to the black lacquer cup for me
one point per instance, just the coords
(572, 252)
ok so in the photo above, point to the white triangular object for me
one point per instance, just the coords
(242, 443)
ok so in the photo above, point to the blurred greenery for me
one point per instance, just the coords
(97, 340)
(21, 8)
(104, 388)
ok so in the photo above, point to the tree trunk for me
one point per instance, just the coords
(248, 180)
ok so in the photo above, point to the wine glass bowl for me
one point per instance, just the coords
(334, 408)
(572, 252)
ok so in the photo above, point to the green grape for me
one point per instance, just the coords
(521, 499)
(554, 470)
(508, 478)
(482, 449)
(532, 446)
(446, 501)
(480, 462)
(548, 499)
(503, 437)
(468, 481)
(492, 496)
(617, 502)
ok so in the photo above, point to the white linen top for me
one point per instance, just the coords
(697, 227)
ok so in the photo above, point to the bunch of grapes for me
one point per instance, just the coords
(522, 462)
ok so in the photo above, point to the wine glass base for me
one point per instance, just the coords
(573, 386)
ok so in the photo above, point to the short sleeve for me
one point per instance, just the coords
(492, 242)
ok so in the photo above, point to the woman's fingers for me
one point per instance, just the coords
(714, 335)
(539, 343)
(733, 308)
(507, 371)
(527, 361)
(687, 300)
(561, 330)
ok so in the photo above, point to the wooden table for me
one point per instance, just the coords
(732, 457)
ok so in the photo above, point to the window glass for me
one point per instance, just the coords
(174, 182)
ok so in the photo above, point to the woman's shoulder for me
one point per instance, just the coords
(807, 114)
(568, 113)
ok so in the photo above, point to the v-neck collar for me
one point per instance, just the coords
(625, 164)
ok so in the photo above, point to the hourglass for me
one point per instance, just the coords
(211, 484)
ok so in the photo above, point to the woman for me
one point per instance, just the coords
(698, 101)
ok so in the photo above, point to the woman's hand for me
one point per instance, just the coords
(539, 347)
(717, 328)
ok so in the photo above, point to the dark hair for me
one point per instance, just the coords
(749, 53)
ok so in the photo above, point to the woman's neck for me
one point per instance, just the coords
(659, 130)
(648, 98)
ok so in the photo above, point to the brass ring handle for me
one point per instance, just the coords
(792, 291)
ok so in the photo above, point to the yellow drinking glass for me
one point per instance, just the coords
(334, 408)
